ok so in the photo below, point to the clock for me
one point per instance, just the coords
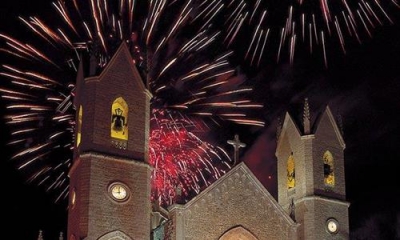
(118, 191)
(332, 225)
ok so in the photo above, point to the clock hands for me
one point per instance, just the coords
(119, 192)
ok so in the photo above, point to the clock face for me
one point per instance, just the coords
(332, 226)
(119, 191)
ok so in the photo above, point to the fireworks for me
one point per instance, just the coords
(184, 50)
(181, 157)
(185, 66)
(317, 25)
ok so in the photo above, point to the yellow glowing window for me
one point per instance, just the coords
(329, 174)
(291, 182)
(79, 130)
(119, 119)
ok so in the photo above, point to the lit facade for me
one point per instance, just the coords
(110, 178)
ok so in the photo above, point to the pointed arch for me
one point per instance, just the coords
(238, 233)
(79, 127)
(329, 173)
(291, 172)
(119, 119)
(115, 235)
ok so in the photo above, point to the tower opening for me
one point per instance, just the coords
(329, 173)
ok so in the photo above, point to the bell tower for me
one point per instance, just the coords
(311, 181)
(109, 193)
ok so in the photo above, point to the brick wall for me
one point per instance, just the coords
(237, 199)
(99, 163)
(119, 79)
(96, 213)
(314, 202)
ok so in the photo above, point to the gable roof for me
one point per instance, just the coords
(328, 114)
(285, 126)
(240, 168)
(122, 52)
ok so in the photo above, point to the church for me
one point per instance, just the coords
(110, 180)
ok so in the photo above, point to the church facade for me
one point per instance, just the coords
(109, 196)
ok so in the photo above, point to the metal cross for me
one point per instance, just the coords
(236, 145)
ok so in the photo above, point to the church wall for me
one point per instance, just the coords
(307, 175)
(326, 139)
(302, 148)
(313, 213)
(78, 213)
(315, 202)
(282, 156)
(337, 211)
(237, 201)
(115, 81)
(101, 160)
(88, 115)
(119, 80)
(102, 209)
(306, 220)
(170, 226)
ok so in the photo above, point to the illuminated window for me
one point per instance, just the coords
(329, 174)
(291, 181)
(79, 133)
(119, 119)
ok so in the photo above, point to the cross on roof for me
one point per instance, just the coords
(236, 145)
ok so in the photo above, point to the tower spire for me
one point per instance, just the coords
(306, 117)
(94, 57)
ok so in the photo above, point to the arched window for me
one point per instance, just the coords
(291, 181)
(329, 173)
(238, 233)
(115, 235)
(79, 127)
(119, 119)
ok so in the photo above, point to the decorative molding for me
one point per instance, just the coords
(229, 202)
(324, 199)
(115, 235)
(286, 123)
(332, 120)
(238, 232)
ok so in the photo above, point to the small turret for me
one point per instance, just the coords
(306, 117)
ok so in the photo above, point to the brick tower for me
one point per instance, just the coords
(311, 181)
(109, 195)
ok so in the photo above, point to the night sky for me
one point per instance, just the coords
(362, 87)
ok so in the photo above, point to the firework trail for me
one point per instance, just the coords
(178, 47)
(181, 48)
(280, 27)
(183, 159)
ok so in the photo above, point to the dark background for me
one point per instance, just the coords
(362, 87)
